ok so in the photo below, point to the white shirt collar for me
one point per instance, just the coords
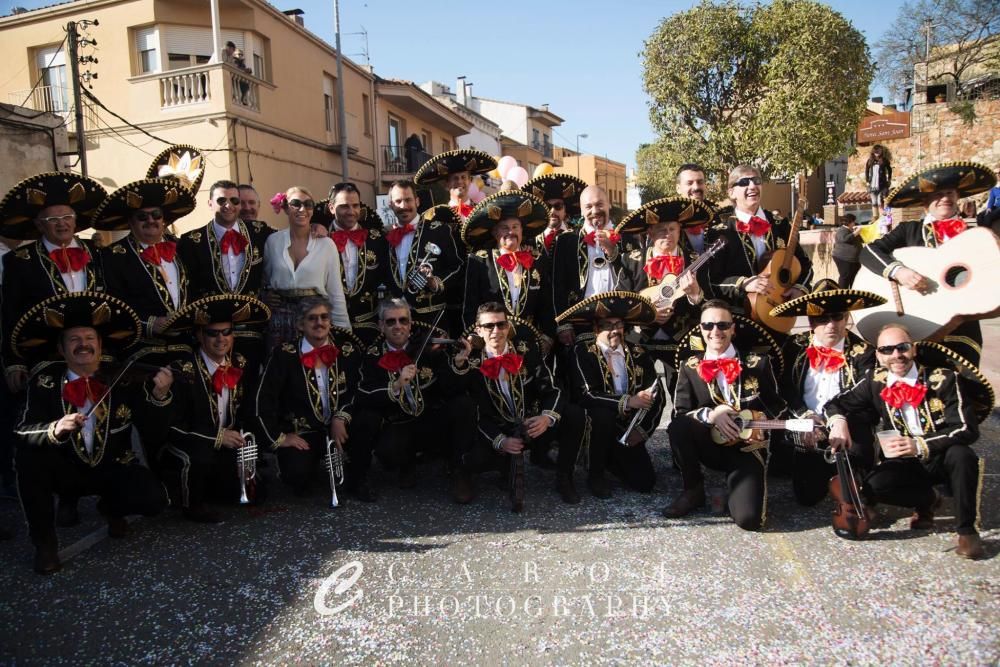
(209, 364)
(745, 217)
(51, 246)
(910, 378)
(587, 227)
(730, 353)
(839, 346)
(220, 230)
(490, 355)
(607, 348)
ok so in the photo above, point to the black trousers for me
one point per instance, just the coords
(811, 473)
(846, 271)
(692, 446)
(43, 472)
(568, 431)
(195, 473)
(909, 482)
(630, 464)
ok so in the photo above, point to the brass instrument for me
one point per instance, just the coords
(416, 281)
(334, 463)
(246, 467)
(640, 414)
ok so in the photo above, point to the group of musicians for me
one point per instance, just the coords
(483, 335)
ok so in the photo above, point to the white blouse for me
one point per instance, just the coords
(319, 269)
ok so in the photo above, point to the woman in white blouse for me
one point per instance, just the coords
(296, 265)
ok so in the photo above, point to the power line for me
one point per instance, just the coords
(42, 75)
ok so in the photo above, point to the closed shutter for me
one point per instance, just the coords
(53, 56)
(145, 39)
(237, 37)
(188, 40)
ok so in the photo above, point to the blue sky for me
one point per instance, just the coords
(579, 56)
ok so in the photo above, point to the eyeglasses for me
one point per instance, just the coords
(222, 201)
(490, 326)
(898, 347)
(300, 204)
(826, 319)
(393, 321)
(611, 326)
(215, 333)
(318, 317)
(722, 326)
(144, 216)
(53, 219)
(747, 180)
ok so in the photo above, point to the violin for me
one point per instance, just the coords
(851, 519)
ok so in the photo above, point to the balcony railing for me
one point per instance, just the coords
(547, 150)
(203, 84)
(56, 100)
(245, 91)
(182, 87)
(397, 160)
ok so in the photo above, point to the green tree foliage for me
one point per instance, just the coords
(781, 86)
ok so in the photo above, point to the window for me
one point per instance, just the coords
(445, 145)
(53, 95)
(329, 106)
(366, 104)
(395, 137)
(534, 138)
(146, 43)
(425, 139)
(328, 112)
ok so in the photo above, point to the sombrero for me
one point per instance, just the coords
(630, 307)
(529, 209)
(749, 337)
(687, 212)
(182, 163)
(558, 186)
(450, 162)
(23, 202)
(441, 213)
(826, 298)
(235, 308)
(935, 355)
(368, 219)
(168, 195)
(38, 330)
(968, 178)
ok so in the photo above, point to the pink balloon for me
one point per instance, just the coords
(506, 164)
(473, 190)
(519, 175)
(478, 197)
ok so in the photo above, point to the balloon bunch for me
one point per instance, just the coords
(508, 170)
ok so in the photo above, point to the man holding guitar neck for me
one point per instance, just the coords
(938, 189)
(712, 387)
(751, 236)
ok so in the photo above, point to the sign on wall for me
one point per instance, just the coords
(874, 129)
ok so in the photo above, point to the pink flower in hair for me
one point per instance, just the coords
(278, 202)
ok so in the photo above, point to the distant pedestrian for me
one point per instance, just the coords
(846, 251)
(878, 175)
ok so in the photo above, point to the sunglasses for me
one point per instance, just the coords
(53, 219)
(145, 216)
(308, 204)
(722, 326)
(393, 321)
(215, 333)
(826, 319)
(611, 326)
(747, 180)
(557, 206)
(490, 326)
(318, 317)
(222, 201)
(898, 347)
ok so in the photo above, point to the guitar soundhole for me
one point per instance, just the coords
(956, 276)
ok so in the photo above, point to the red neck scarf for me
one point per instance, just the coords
(695, 230)
(664, 265)
(825, 358)
(69, 260)
(509, 362)
(355, 236)
(233, 240)
(76, 392)
(509, 260)
(225, 377)
(901, 394)
(164, 251)
(756, 226)
(394, 361)
(324, 354)
(946, 229)
(395, 235)
(590, 238)
(463, 209)
(730, 368)
(550, 238)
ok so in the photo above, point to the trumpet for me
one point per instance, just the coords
(415, 279)
(246, 468)
(334, 463)
(639, 415)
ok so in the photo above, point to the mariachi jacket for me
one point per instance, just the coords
(372, 280)
(140, 284)
(755, 389)
(485, 280)
(860, 359)
(195, 420)
(447, 268)
(202, 257)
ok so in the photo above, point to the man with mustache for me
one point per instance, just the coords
(75, 431)
(561, 193)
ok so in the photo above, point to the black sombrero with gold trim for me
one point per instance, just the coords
(368, 219)
(558, 186)
(630, 307)
(968, 178)
(182, 163)
(23, 202)
(477, 231)
(235, 308)
(441, 213)
(522, 329)
(749, 337)
(687, 212)
(827, 298)
(38, 330)
(167, 195)
(442, 165)
(934, 355)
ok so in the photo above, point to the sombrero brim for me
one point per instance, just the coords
(477, 230)
(831, 301)
(235, 308)
(749, 337)
(182, 163)
(968, 178)
(442, 165)
(23, 202)
(169, 196)
(441, 213)
(936, 355)
(522, 329)
(38, 330)
(632, 308)
(558, 186)
(687, 212)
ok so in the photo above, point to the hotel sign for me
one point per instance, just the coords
(874, 129)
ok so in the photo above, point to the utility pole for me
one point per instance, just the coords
(341, 112)
(74, 68)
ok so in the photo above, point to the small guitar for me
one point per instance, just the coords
(753, 424)
(666, 293)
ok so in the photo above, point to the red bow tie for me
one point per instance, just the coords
(509, 260)
(756, 226)
(394, 361)
(69, 260)
(509, 362)
(324, 354)
(827, 358)
(946, 229)
(225, 377)
(590, 238)
(708, 368)
(661, 265)
(901, 394)
(395, 235)
(76, 392)
(164, 251)
(355, 236)
(463, 209)
(233, 240)
(550, 238)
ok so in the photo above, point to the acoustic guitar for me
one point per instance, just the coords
(964, 275)
(753, 424)
(782, 270)
(666, 293)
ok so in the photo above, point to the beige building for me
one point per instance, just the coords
(161, 67)
(596, 170)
